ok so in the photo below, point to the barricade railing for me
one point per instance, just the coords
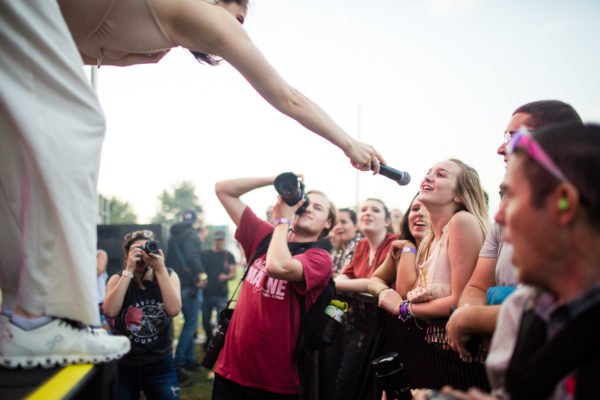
(344, 371)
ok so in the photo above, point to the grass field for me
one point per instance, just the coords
(199, 385)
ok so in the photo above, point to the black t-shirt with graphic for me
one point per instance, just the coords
(144, 321)
(216, 263)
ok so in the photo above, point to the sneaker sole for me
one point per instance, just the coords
(51, 361)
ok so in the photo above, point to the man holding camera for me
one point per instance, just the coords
(184, 256)
(257, 360)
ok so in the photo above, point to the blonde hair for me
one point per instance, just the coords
(472, 200)
(331, 214)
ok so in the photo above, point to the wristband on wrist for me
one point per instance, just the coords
(404, 314)
(127, 274)
(408, 249)
(283, 221)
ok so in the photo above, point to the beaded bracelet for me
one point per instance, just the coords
(127, 274)
(404, 311)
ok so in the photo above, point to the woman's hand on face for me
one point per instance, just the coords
(364, 157)
(154, 261)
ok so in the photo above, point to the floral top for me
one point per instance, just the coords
(343, 256)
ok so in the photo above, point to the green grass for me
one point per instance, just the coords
(199, 385)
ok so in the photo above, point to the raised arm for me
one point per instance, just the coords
(204, 27)
(280, 264)
(229, 193)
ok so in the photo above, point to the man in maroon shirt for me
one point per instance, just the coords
(257, 360)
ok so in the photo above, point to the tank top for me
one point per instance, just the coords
(437, 268)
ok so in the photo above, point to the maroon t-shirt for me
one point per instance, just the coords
(260, 341)
(359, 267)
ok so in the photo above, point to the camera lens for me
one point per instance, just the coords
(289, 188)
(151, 247)
(388, 371)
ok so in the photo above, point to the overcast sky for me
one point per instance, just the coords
(421, 80)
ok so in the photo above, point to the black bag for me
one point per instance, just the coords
(318, 329)
(218, 340)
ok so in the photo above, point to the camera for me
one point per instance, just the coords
(218, 340)
(151, 247)
(291, 190)
(388, 371)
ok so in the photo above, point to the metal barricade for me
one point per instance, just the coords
(343, 370)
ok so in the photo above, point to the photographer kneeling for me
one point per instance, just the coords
(142, 299)
(257, 361)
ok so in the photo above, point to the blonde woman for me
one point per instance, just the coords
(431, 280)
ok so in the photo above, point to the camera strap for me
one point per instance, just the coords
(259, 251)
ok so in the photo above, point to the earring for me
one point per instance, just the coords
(563, 204)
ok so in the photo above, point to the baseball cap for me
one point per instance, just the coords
(219, 235)
(189, 216)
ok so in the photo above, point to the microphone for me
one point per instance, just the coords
(401, 177)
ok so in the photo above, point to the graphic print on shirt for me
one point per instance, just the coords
(270, 287)
(144, 321)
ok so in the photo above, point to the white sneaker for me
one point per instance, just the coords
(58, 342)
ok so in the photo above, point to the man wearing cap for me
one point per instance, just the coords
(219, 265)
(184, 256)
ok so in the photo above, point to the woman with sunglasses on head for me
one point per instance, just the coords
(431, 279)
(142, 300)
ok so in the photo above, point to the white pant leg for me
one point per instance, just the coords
(51, 132)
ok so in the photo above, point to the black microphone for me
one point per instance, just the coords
(401, 177)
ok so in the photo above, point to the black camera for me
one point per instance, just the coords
(291, 190)
(388, 371)
(151, 247)
(218, 340)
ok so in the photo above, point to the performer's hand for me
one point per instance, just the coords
(364, 157)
